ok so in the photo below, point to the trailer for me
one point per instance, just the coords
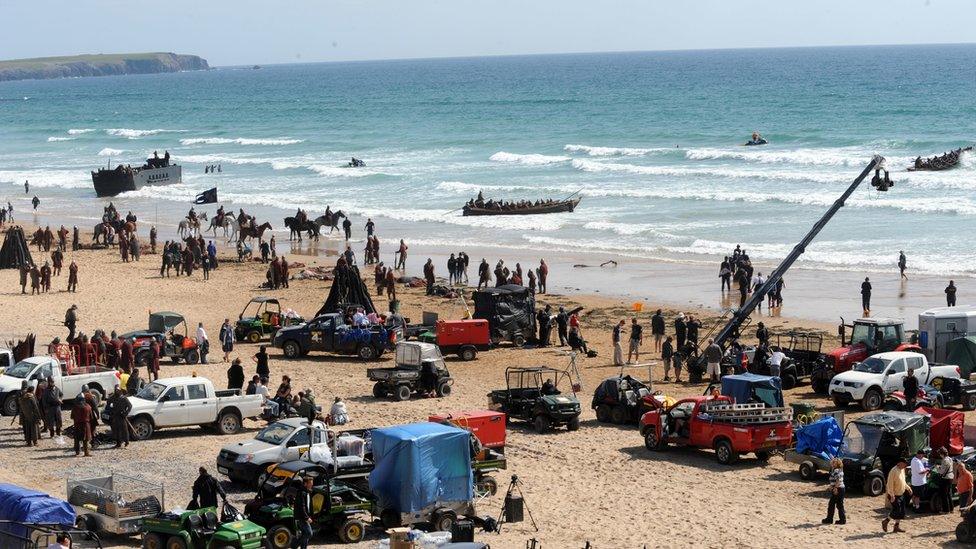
(941, 325)
(116, 504)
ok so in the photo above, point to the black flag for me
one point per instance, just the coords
(207, 197)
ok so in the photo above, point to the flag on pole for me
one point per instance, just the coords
(207, 197)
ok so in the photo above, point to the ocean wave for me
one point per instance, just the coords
(340, 171)
(815, 157)
(65, 179)
(136, 134)
(109, 151)
(239, 141)
(79, 131)
(461, 187)
(53, 139)
(613, 151)
(736, 173)
(528, 159)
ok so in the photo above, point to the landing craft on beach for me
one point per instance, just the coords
(123, 178)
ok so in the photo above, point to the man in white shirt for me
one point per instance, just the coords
(202, 343)
(776, 361)
(920, 471)
(359, 319)
(62, 542)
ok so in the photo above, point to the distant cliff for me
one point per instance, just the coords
(99, 65)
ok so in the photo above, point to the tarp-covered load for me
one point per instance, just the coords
(15, 251)
(420, 465)
(962, 352)
(347, 289)
(946, 429)
(822, 438)
(912, 429)
(509, 309)
(29, 506)
(745, 388)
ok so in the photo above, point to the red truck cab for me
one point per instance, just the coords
(463, 337)
(690, 423)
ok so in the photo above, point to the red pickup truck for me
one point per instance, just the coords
(716, 422)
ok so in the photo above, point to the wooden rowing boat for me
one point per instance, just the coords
(551, 207)
(937, 163)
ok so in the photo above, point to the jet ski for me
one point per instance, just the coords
(355, 163)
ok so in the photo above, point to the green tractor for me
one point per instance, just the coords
(336, 506)
(262, 318)
(201, 529)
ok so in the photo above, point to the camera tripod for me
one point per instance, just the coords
(514, 486)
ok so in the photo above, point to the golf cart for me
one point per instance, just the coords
(336, 506)
(622, 400)
(420, 369)
(803, 352)
(170, 330)
(263, 320)
(532, 394)
(201, 529)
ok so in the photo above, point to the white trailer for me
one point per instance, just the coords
(937, 327)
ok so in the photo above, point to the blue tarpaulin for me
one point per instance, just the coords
(421, 464)
(745, 388)
(821, 438)
(25, 505)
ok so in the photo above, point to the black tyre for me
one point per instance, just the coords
(444, 389)
(724, 452)
(444, 520)
(390, 518)
(840, 403)
(807, 470)
(379, 390)
(488, 485)
(175, 359)
(964, 534)
(969, 402)
(872, 400)
(253, 336)
(763, 455)
(573, 424)
(229, 423)
(788, 380)
(402, 393)
(819, 386)
(618, 415)
(10, 406)
(367, 352)
(192, 356)
(176, 542)
(873, 486)
(468, 353)
(142, 428)
(352, 531)
(651, 440)
(151, 540)
(541, 424)
(518, 340)
(291, 349)
(603, 413)
(280, 536)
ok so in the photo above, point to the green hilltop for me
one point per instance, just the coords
(99, 65)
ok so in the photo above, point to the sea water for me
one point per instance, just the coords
(652, 142)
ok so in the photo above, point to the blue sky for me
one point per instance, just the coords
(247, 31)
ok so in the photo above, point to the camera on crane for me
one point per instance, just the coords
(882, 183)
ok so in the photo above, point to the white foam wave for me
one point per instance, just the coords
(53, 139)
(612, 151)
(136, 134)
(109, 151)
(680, 171)
(65, 179)
(461, 187)
(79, 131)
(339, 171)
(528, 159)
(239, 141)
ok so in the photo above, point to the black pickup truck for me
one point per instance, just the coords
(329, 333)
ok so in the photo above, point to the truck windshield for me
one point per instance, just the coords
(274, 433)
(151, 391)
(20, 370)
(860, 441)
(872, 365)
(863, 334)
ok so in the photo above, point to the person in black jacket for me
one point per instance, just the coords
(680, 330)
(303, 514)
(235, 375)
(543, 318)
(950, 293)
(206, 489)
(657, 329)
(866, 295)
(762, 334)
(562, 324)
(909, 385)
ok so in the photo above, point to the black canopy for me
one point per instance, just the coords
(15, 251)
(347, 289)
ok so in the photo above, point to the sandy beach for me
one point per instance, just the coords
(598, 484)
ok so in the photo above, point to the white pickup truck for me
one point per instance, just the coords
(36, 368)
(184, 401)
(882, 374)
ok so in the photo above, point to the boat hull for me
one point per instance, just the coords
(560, 207)
(113, 182)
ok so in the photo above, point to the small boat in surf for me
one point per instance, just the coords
(938, 163)
(480, 206)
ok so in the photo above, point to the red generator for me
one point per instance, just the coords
(487, 425)
(463, 337)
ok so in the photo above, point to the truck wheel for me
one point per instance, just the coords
(788, 381)
(142, 427)
(176, 542)
(352, 531)
(366, 352)
(253, 336)
(291, 349)
(192, 356)
(279, 536)
(840, 403)
(443, 520)
(444, 389)
(618, 415)
(518, 340)
(573, 424)
(819, 386)
(468, 353)
(10, 407)
(603, 413)
(488, 485)
(873, 486)
(390, 518)
(872, 400)
(724, 452)
(969, 403)
(651, 442)
(541, 424)
(402, 393)
(152, 540)
(964, 534)
(379, 390)
(762, 456)
(228, 423)
(807, 470)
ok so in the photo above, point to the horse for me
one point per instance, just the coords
(331, 221)
(191, 227)
(103, 230)
(253, 232)
(297, 228)
(228, 222)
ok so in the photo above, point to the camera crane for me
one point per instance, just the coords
(880, 181)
